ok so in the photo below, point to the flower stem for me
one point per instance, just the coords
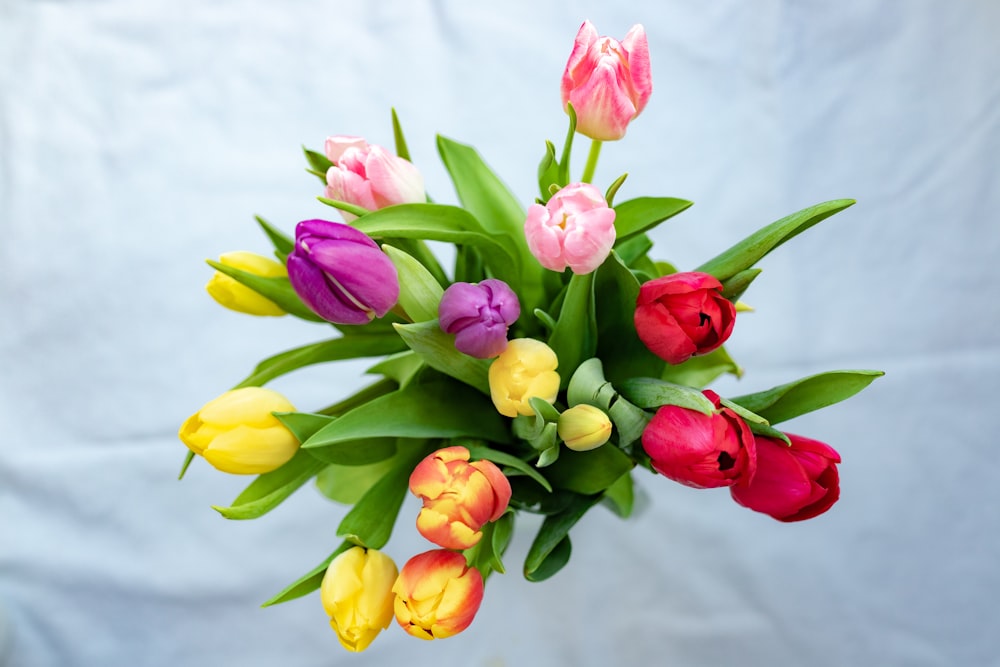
(591, 166)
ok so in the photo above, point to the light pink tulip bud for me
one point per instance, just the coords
(369, 176)
(575, 229)
(608, 82)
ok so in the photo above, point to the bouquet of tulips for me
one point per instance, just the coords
(555, 362)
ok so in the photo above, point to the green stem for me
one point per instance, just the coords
(591, 166)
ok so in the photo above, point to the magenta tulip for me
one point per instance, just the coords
(792, 483)
(575, 229)
(340, 273)
(479, 316)
(608, 82)
(369, 176)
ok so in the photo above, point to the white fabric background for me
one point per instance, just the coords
(138, 138)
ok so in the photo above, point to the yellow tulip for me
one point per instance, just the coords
(525, 370)
(234, 295)
(357, 595)
(237, 433)
(584, 427)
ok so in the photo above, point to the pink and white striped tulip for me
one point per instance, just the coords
(369, 176)
(575, 229)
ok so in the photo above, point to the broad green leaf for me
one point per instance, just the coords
(319, 163)
(397, 135)
(757, 424)
(554, 529)
(270, 489)
(419, 292)
(439, 409)
(620, 496)
(629, 420)
(633, 248)
(336, 349)
(469, 265)
(486, 555)
(420, 251)
(278, 289)
(437, 348)
(550, 453)
(370, 521)
(360, 397)
(477, 451)
(747, 252)
(651, 393)
(700, 371)
(796, 398)
(308, 582)
(639, 215)
(283, 244)
(734, 288)
(588, 472)
(347, 207)
(574, 338)
(302, 424)
(352, 453)
(402, 367)
(347, 484)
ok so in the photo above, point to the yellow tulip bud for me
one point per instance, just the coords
(234, 295)
(525, 370)
(584, 427)
(357, 595)
(237, 433)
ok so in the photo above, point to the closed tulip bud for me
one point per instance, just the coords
(340, 273)
(479, 316)
(584, 427)
(608, 82)
(437, 594)
(525, 370)
(370, 176)
(357, 595)
(235, 295)
(575, 229)
(700, 450)
(237, 433)
(792, 483)
(459, 497)
(683, 314)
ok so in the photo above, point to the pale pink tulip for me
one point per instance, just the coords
(369, 176)
(575, 229)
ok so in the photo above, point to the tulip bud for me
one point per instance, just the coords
(584, 427)
(234, 295)
(792, 483)
(479, 316)
(575, 229)
(525, 370)
(683, 314)
(237, 433)
(357, 595)
(700, 450)
(437, 594)
(370, 176)
(459, 497)
(340, 273)
(607, 82)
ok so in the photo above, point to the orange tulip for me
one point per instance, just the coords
(437, 594)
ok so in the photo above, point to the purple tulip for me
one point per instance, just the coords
(479, 315)
(340, 273)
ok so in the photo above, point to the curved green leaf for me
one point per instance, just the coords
(419, 291)
(641, 214)
(270, 489)
(651, 393)
(700, 371)
(308, 582)
(574, 338)
(437, 348)
(278, 289)
(796, 398)
(283, 244)
(588, 472)
(505, 459)
(553, 531)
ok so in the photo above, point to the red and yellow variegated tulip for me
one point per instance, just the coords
(437, 594)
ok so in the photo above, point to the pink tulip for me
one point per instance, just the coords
(575, 229)
(608, 82)
(792, 483)
(369, 176)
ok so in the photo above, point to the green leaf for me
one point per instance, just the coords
(620, 496)
(700, 371)
(419, 292)
(564, 161)
(308, 582)
(336, 349)
(589, 472)
(629, 420)
(487, 553)
(609, 194)
(302, 424)
(319, 163)
(652, 393)
(574, 338)
(370, 521)
(360, 397)
(277, 289)
(347, 207)
(641, 214)
(437, 348)
(438, 409)
(401, 367)
(734, 288)
(477, 452)
(549, 542)
(548, 170)
(187, 462)
(270, 489)
(397, 135)
(796, 398)
(347, 484)
(283, 244)
(362, 451)
(757, 424)
(747, 252)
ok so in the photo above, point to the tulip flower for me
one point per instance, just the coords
(459, 497)
(608, 82)
(525, 370)
(437, 594)
(237, 433)
(584, 427)
(369, 176)
(683, 314)
(792, 483)
(340, 273)
(357, 595)
(701, 450)
(234, 295)
(575, 229)
(479, 316)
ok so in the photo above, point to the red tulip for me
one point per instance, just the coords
(792, 483)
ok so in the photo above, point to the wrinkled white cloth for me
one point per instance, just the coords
(137, 139)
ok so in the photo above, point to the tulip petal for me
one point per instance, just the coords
(251, 451)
